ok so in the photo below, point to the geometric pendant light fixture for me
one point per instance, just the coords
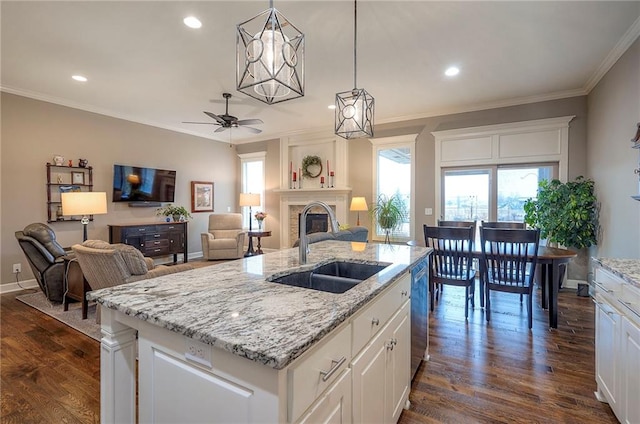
(270, 58)
(354, 108)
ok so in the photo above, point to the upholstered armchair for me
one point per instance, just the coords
(108, 265)
(46, 258)
(224, 238)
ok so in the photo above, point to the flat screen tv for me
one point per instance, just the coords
(137, 184)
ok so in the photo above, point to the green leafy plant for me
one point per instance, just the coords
(389, 212)
(173, 211)
(565, 213)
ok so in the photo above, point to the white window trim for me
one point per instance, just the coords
(253, 157)
(385, 143)
(490, 138)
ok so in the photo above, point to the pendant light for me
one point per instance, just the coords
(354, 108)
(270, 58)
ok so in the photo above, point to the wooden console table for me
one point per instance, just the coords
(157, 239)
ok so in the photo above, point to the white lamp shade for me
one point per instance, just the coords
(249, 199)
(84, 203)
(358, 204)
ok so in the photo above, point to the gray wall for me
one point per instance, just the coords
(34, 131)
(614, 111)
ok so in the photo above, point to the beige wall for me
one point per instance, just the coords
(33, 131)
(614, 111)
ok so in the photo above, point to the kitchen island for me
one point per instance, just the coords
(223, 344)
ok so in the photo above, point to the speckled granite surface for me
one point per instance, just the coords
(232, 307)
(627, 269)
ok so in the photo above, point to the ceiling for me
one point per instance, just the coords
(143, 64)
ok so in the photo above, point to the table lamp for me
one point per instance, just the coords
(358, 204)
(84, 203)
(249, 199)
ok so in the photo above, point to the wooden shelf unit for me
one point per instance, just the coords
(53, 188)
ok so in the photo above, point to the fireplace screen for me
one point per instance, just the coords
(316, 223)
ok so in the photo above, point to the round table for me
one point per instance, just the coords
(258, 234)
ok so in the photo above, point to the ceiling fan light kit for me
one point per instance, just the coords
(270, 58)
(354, 109)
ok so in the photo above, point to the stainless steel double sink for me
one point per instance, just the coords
(332, 277)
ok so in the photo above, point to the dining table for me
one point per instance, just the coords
(550, 260)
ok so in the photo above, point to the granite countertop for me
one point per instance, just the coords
(627, 269)
(232, 307)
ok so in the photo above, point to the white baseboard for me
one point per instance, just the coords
(572, 284)
(12, 287)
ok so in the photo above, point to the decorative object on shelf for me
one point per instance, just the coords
(358, 204)
(77, 178)
(59, 214)
(178, 213)
(311, 166)
(354, 108)
(389, 212)
(84, 203)
(249, 199)
(59, 178)
(331, 178)
(260, 216)
(58, 160)
(294, 180)
(201, 196)
(322, 181)
(70, 163)
(82, 163)
(270, 58)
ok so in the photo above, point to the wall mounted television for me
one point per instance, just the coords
(141, 186)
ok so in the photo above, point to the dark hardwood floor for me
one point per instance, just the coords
(478, 373)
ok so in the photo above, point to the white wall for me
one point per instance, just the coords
(34, 131)
(613, 111)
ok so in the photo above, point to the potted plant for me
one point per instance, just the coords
(389, 212)
(176, 212)
(566, 214)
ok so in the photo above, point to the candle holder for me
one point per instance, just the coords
(331, 177)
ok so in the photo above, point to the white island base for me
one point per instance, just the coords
(359, 372)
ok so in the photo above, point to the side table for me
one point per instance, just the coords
(77, 286)
(258, 235)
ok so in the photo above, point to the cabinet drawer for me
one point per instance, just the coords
(156, 250)
(606, 283)
(136, 231)
(305, 379)
(374, 317)
(149, 237)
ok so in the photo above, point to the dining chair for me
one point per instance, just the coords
(451, 261)
(443, 223)
(507, 225)
(508, 263)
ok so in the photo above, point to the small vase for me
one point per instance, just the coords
(260, 225)
(176, 218)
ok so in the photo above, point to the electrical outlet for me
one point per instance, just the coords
(228, 208)
(428, 211)
(17, 268)
(198, 352)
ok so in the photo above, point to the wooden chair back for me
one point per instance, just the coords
(512, 225)
(452, 258)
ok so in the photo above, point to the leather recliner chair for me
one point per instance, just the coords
(46, 258)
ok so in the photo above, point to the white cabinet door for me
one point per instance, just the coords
(334, 406)
(399, 365)
(369, 381)
(630, 375)
(607, 351)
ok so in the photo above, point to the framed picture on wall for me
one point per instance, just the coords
(201, 196)
(77, 177)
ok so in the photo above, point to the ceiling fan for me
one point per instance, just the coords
(229, 121)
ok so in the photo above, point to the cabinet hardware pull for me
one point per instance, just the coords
(403, 293)
(334, 367)
(394, 341)
(156, 235)
(140, 229)
(628, 306)
(422, 273)
(389, 345)
(156, 242)
(603, 287)
(157, 250)
(604, 307)
(375, 321)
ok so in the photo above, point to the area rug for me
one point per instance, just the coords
(72, 317)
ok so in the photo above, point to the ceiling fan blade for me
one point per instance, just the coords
(220, 129)
(206, 123)
(250, 122)
(253, 130)
(214, 116)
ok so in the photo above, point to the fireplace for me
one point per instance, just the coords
(316, 223)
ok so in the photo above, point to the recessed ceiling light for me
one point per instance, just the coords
(79, 78)
(452, 71)
(192, 22)
(331, 106)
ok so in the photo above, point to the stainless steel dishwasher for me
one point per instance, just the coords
(419, 314)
